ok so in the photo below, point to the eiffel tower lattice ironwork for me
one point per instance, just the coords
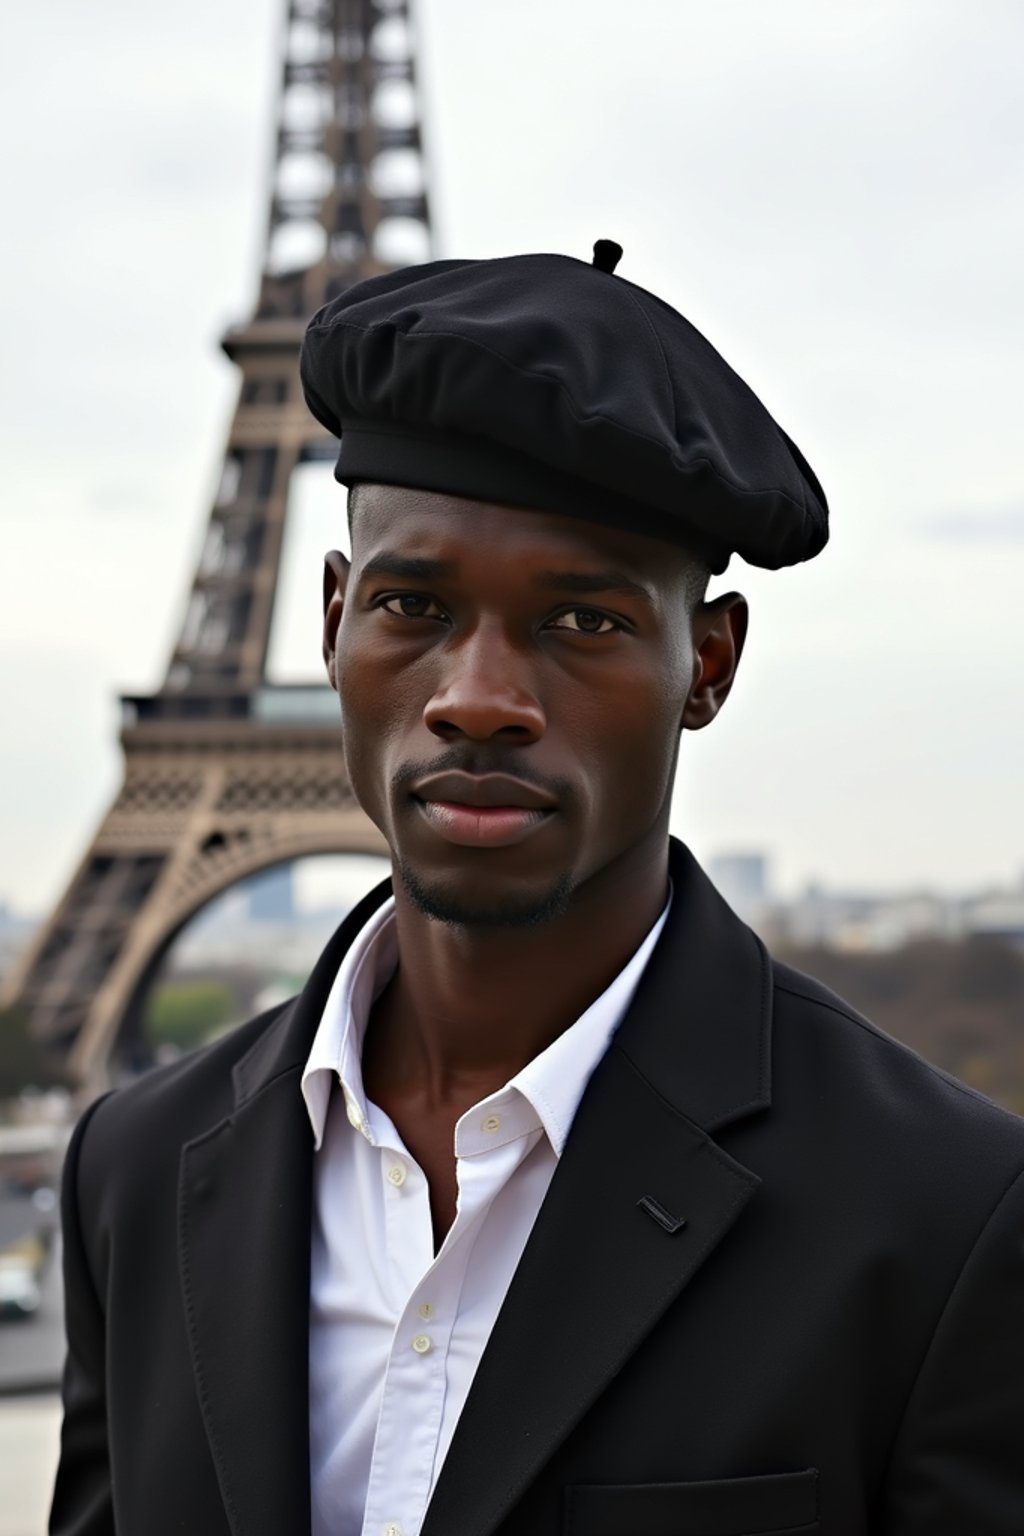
(226, 774)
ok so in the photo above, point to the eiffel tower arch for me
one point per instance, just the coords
(226, 774)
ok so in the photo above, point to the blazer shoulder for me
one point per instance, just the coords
(137, 1124)
(134, 1137)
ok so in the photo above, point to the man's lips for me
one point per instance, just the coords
(482, 791)
(489, 810)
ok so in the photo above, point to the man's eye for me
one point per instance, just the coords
(412, 605)
(585, 621)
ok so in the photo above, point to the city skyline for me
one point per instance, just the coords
(834, 198)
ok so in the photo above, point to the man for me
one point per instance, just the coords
(552, 1204)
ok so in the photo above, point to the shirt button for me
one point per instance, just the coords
(391, 1529)
(355, 1114)
(421, 1344)
(396, 1175)
(490, 1123)
(426, 1311)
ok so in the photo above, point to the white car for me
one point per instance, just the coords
(19, 1282)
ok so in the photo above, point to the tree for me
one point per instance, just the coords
(26, 1062)
(960, 1004)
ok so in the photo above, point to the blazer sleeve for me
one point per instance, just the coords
(958, 1464)
(82, 1499)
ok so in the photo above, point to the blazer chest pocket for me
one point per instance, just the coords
(783, 1504)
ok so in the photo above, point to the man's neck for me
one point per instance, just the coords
(468, 1007)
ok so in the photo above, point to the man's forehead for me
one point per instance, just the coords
(455, 529)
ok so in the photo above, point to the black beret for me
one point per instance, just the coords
(547, 382)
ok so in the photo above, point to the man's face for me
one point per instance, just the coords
(512, 685)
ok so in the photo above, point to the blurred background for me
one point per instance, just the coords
(832, 193)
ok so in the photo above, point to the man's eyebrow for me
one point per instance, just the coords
(396, 566)
(588, 583)
(406, 567)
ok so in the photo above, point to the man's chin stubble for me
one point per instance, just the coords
(501, 911)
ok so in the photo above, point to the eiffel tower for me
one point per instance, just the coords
(225, 774)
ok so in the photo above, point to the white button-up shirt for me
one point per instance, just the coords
(396, 1334)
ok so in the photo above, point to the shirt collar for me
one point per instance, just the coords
(553, 1082)
(336, 1055)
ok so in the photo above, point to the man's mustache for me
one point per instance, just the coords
(477, 761)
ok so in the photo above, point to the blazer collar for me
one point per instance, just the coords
(701, 1021)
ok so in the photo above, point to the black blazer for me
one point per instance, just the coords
(777, 1284)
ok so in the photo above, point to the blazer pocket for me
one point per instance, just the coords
(782, 1504)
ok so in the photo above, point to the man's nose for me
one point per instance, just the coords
(486, 690)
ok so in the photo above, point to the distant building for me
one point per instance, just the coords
(832, 920)
(884, 921)
(997, 915)
(862, 921)
(743, 880)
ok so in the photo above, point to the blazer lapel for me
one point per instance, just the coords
(244, 1212)
(641, 1198)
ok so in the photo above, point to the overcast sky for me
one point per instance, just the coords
(831, 191)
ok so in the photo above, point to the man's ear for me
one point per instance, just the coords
(336, 571)
(719, 630)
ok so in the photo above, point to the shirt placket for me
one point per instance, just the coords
(412, 1401)
(412, 1405)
